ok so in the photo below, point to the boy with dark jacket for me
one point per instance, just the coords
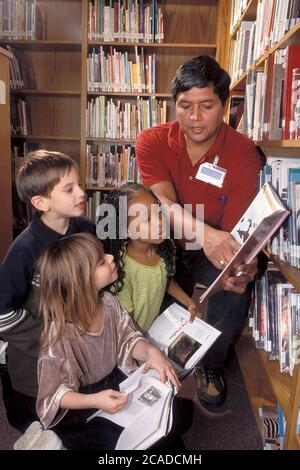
(50, 182)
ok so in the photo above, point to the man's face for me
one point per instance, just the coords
(200, 114)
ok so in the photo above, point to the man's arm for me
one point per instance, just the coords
(217, 245)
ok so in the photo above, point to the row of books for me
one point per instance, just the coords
(242, 51)
(284, 175)
(111, 71)
(113, 167)
(21, 19)
(272, 98)
(237, 9)
(120, 119)
(274, 18)
(17, 160)
(272, 426)
(93, 201)
(129, 21)
(274, 317)
(18, 155)
(21, 72)
(254, 38)
(114, 71)
(20, 118)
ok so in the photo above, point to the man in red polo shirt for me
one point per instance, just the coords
(178, 162)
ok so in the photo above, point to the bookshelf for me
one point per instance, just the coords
(57, 102)
(54, 98)
(5, 174)
(181, 41)
(264, 382)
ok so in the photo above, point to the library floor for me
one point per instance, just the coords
(230, 427)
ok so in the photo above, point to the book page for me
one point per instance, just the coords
(184, 343)
(146, 416)
(265, 203)
(145, 399)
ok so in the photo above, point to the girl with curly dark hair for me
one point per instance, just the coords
(144, 257)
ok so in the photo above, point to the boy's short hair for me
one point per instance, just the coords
(41, 171)
(201, 72)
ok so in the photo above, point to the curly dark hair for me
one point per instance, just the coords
(118, 246)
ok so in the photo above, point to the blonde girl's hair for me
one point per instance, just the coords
(67, 280)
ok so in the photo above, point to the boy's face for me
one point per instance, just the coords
(200, 114)
(67, 198)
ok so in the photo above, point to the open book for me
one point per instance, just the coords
(253, 231)
(184, 343)
(148, 416)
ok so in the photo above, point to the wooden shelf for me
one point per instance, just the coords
(44, 45)
(265, 384)
(281, 382)
(156, 45)
(278, 143)
(102, 139)
(291, 273)
(249, 14)
(291, 36)
(259, 389)
(45, 137)
(92, 187)
(6, 233)
(128, 94)
(27, 91)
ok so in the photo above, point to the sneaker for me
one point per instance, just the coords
(211, 386)
(36, 438)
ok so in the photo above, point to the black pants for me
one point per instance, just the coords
(20, 408)
(102, 434)
(97, 434)
(225, 310)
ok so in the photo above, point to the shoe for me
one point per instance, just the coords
(36, 438)
(211, 386)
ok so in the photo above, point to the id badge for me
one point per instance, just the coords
(211, 174)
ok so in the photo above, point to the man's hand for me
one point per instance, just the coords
(239, 282)
(219, 246)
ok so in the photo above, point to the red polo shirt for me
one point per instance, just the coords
(162, 156)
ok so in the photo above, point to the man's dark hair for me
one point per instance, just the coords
(201, 72)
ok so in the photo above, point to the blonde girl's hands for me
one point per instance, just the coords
(110, 400)
(158, 361)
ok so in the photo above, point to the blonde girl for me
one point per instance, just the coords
(86, 335)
